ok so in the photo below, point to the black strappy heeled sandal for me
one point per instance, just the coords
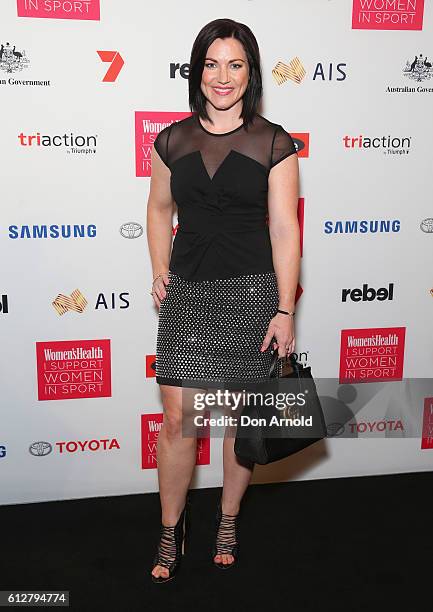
(226, 539)
(171, 547)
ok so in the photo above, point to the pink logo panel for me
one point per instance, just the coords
(59, 9)
(427, 424)
(150, 428)
(147, 127)
(71, 369)
(372, 355)
(382, 15)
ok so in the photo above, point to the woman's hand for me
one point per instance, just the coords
(158, 288)
(281, 327)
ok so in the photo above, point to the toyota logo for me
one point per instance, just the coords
(40, 449)
(131, 230)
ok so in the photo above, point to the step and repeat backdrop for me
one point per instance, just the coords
(85, 86)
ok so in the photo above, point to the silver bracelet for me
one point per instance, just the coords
(158, 277)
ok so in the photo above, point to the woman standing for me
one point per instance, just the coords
(226, 287)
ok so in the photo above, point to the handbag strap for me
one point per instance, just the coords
(273, 368)
(297, 367)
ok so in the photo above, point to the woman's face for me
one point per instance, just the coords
(225, 73)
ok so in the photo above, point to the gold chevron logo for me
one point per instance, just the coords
(293, 71)
(76, 302)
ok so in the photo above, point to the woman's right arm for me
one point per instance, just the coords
(160, 206)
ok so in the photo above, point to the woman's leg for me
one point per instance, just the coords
(237, 477)
(176, 456)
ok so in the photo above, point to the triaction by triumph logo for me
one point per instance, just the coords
(389, 145)
(71, 143)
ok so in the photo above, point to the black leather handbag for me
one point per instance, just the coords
(267, 433)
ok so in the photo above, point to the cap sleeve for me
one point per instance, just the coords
(161, 144)
(282, 146)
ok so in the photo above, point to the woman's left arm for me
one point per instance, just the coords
(283, 195)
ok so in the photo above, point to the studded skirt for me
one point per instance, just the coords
(210, 332)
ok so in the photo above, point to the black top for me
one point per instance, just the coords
(220, 184)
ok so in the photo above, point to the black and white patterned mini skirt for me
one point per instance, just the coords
(210, 332)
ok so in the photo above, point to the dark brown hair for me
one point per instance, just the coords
(225, 28)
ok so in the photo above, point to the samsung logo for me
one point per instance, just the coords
(52, 231)
(374, 226)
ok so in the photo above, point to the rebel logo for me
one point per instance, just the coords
(72, 369)
(59, 9)
(387, 14)
(368, 294)
(372, 355)
(151, 426)
(182, 69)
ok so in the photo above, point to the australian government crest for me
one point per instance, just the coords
(12, 60)
(419, 70)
